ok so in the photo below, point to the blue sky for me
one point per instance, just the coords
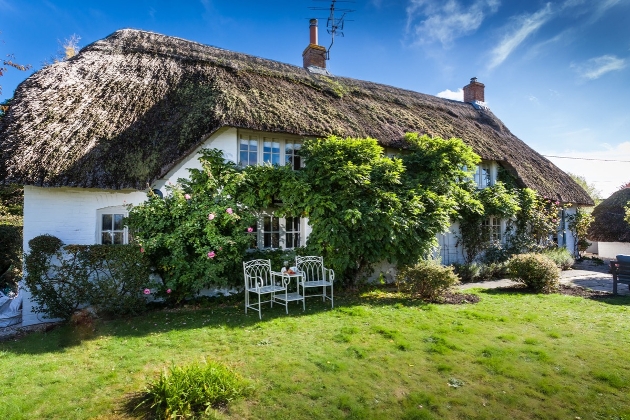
(557, 73)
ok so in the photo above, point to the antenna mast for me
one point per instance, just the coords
(334, 26)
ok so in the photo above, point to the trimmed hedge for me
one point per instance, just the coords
(109, 278)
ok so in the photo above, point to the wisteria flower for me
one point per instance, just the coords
(250, 229)
(211, 216)
(187, 196)
(147, 292)
(168, 291)
(211, 254)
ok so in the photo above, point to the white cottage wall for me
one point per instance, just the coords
(70, 214)
(612, 249)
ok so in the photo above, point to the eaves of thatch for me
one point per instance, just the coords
(124, 110)
(609, 224)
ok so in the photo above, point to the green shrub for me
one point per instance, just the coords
(10, 255)
(427, 280)
(468, 273)
(493, 271)
(561, 257)
(192, 390)
(62, 279)
(536, 271)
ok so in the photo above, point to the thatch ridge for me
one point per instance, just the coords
(609, 224)
(124, 110)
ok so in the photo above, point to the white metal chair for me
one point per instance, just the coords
(259, 279)
(314, 274)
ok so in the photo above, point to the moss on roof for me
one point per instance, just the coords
(609, 224)
(123, 111)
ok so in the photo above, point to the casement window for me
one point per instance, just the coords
(493, 228)
(484, 176)
(260, 149)
(110, 227)
(274, 232)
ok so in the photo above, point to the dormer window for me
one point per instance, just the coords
(484, 176)
(256, 149)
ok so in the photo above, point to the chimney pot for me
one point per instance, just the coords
(474, 91)
(313, 31)
(314, 55)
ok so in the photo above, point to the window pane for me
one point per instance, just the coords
(106, 238)
(288, 148)
(253, 145)
(267, 240)
(267, 224)
(107, 222)
(243, 158)
(297, 162)
(275, 224)
(275, 159)
(253, 156)
(296, 240)
(244, 145)
(288, 243)
(118, 238)
(118, 224)
(275, 240)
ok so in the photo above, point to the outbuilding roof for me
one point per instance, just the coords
(609, 224)
(128, 107)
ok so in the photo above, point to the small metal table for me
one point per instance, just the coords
(290, 296)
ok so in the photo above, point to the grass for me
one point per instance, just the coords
(513, 355)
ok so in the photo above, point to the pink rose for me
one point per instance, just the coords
(211, 216)
(211, 254)
(220, 248)
(141, 249)
(187, 196)
(557, 203)
(250, 229)
(229, 210)
(168, 291)
(147, 292)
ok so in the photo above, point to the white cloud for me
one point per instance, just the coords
(525, 26)
(606, 174)
(596, 67)
(449, 94)
(445, 21)
(602, 8)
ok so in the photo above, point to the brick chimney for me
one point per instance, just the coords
(473, 92)
(314, 55)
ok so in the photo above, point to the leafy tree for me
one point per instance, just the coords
(590, 188)
(365, 207)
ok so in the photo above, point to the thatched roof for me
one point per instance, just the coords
(609, 225)
(123, 111)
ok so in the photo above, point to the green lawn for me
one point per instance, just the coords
(512, 356)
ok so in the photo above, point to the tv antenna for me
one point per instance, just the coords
(334, 25)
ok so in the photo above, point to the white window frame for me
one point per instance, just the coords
(485, 181)
(282, 232)
(496, 229)
(261, 139)
(114, 210)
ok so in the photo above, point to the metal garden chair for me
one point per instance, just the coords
(315, 275)
(259, 279)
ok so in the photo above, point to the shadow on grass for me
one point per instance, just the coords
(219, 312)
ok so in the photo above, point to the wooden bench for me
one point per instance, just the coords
(620, 270)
